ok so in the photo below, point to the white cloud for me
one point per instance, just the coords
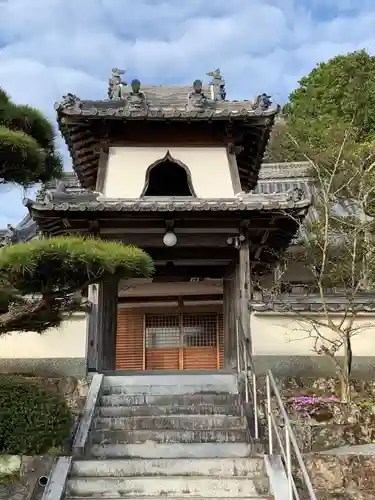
(51, 47)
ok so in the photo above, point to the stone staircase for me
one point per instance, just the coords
(176, 436)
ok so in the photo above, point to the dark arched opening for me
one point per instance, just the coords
(168, 178)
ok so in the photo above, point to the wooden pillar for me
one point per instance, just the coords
(230, 310)
(92, 331)
(92, 349)
(245, 289)
(107, 323)
(227, 324)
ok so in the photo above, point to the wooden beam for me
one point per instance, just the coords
(183, 240)
(175, 253)
(186, 273)
(171, 298)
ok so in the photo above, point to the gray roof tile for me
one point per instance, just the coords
(164, 101)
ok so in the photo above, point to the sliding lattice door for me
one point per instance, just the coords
(188, 341)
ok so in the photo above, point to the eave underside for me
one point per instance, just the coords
(202, 237)
(86, 138)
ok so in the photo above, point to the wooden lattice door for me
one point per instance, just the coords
(189, 341)
(183, 341)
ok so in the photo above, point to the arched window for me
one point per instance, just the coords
(168, 178)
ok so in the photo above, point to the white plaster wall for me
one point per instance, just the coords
(127, 167)
(284, 335)
(67, 341)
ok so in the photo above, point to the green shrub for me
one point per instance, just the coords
(32, 419)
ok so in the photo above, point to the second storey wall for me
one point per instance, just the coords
(127, 166)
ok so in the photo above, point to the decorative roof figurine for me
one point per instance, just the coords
(136, 100)
(116, 86)
(262, 102)
(69, 102)
(217, 85)
(197, 99)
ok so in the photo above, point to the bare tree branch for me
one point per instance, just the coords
(336, 250)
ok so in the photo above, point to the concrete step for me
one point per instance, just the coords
(185, 422)
(95, 497)
(164, 410)
(176, 390)
(101, 436)
(176, 383)
(215, 467)
(168, 399)
(154, 450)
(181, 486)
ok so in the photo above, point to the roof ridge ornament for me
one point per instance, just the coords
(69, 102)
(217, 85)
(197, 100)
(136, 100)
(262, 102)
(117, 86)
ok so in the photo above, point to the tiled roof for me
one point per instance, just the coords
(91, 201)
(285, 170)
(88, 125)
(166, 102)
(334, 304)
(26, 230)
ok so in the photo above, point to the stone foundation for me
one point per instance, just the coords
(305, 366)
(329, 424)
(46, 367)
(73, 389)
(362, 389)
(341, 425)
(349, 477)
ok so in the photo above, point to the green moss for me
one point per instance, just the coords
(366, 404)
(10, 478)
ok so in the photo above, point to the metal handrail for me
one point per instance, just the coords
(245, 366)
(290, 440)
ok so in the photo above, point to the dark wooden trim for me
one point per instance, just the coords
(170, 298)
(149, 134)
(102, 171)
(230, 309)
(107, 324)
(211, 241)
(165, 253)
(92, 331)
(244, 289)
(185, 273)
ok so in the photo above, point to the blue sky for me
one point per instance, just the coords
(51, 47)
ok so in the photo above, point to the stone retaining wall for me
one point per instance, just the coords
(326, 427)
(75, 392)
(331, 426)
(73, 389)
(342, 477)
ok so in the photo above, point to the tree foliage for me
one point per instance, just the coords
(336, 96)
(41, 279)
(27, 150)
(342, 88)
